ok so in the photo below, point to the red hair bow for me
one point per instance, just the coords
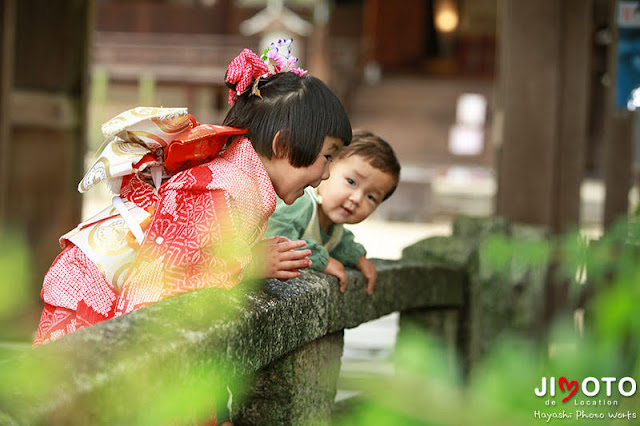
(242, 70)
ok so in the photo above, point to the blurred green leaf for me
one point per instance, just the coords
(15, 270)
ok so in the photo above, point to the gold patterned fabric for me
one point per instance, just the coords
(130, 136)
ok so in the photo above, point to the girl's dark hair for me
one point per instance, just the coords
(377, 152)
(303, 109)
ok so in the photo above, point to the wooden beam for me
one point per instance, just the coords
(44, 110)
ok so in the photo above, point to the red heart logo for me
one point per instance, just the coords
(571, 385)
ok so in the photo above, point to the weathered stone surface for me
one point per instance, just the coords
(497, 301)
(479, 227)
(110, 371)
(442, 324)
(297, 389)
(457, 252)
(507, 299)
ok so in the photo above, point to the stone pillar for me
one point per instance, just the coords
(544, 71)
(297, 389)
(443, 324)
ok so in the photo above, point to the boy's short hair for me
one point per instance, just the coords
(301, 110)
(377, 152)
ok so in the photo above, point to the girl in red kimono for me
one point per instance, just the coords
(187, 217)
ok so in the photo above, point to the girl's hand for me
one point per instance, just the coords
(335, 268)
(368, 269)
(280, 259)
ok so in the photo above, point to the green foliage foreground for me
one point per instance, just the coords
(595, 336)
(603, 279)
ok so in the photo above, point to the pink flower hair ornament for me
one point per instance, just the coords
(248, 68)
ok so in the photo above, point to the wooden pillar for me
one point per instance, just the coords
(317, 48)
(617, 155)
(544, 84)
(7, 39)
(395, 31)
(47, 107)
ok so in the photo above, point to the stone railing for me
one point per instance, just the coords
(286, 337)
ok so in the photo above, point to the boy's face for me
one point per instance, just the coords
(354, 190)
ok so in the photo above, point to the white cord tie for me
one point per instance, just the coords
(126, 215)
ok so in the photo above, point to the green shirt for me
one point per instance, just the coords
(291, 221)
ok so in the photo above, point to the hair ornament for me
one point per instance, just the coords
(241, 72)
(279, 59)
(247, 68)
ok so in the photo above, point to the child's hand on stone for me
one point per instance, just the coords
(368, 269)
(280, 258)
(335, 268)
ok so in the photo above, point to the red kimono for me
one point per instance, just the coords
(203, 224)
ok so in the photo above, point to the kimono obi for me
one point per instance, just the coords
(106, 239)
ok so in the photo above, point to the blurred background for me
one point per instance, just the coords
(494, 107)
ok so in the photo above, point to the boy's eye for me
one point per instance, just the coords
(329, 158)
(351, 181)
(372, 198)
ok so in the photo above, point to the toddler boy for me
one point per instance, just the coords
(363, 175)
